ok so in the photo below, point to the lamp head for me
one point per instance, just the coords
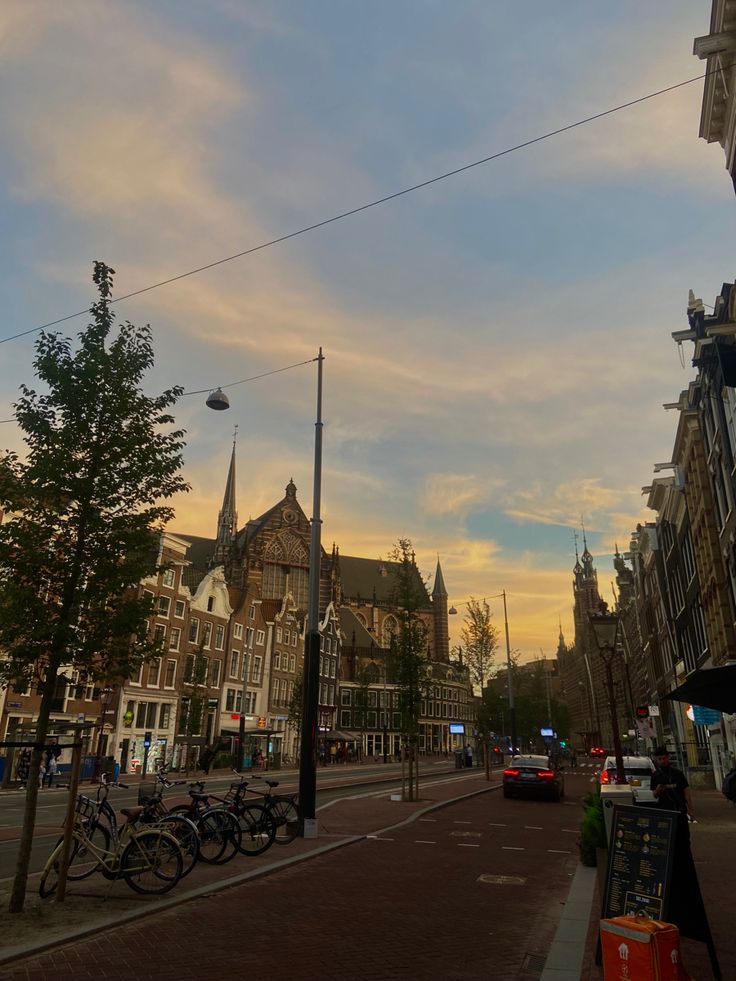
(605, 629)
(218, 400)
(452, 611)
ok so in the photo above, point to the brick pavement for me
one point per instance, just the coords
(714, 849)
(405, 905)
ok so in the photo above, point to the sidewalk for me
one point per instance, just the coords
(714, 849)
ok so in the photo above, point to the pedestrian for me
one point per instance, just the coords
(52, 769)
(669, 785)
(23, 766)
(469, 756)
(333, 753)
(41, 774)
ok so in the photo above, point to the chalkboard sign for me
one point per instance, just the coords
(639, 861)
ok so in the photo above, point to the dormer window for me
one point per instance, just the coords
(210, 604)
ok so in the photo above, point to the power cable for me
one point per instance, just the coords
(375, 203)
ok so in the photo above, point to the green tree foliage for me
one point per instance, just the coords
(102, 460)
(409, 661)
(479, 637)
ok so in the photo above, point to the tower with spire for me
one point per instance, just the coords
(227, 519)
(439, 612)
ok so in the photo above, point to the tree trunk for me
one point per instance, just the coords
(20, 882)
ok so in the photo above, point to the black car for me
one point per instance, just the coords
(533, 776)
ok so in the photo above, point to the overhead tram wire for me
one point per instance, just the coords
(378, 201)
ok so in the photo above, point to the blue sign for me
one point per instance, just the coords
(457, 728)
(705, 716)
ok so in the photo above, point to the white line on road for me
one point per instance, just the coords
(558, 851)
(423, 841)
(462, 822)
(532, 827)
(511, 848)
(428, 820)
(462, 844)
(494, 824)
(379, 838)
(570, 831)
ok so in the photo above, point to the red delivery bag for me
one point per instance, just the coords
(636, 948)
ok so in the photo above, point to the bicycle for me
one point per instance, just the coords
(218, 829)
(149, 859)
(181, 827)
(284, 809)
(257, 826)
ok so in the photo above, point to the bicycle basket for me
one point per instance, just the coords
(146, 791)
(84, 809)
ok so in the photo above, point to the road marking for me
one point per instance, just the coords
(558, 851)
(428, 820)
(494, 824)
(463, 844)
(511, 848)
(423, 841)
(532, 827)
(570, 831)
(462, 822)
(379, 838)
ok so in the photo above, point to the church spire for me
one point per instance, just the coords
(227, 519)
(439, 612)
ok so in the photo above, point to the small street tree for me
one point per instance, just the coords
(479, 637)
(296, 708)
(409, 659)
(84, 503)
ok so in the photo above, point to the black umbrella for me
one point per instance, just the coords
(713, 688)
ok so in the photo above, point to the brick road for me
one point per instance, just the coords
(406, 905)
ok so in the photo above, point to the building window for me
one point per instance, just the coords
(219, 637)
(216, 670)
(154, 672)
(252, 612)
(164, 605)
(279, 635)
(170, 674)
(250, 702)
(245, 673)
(257, 668)
(174, 638)
(277, 660)
(169, 578)
(260, 638)
(287, 636)
(179, 608)
(140, 715)
(234, 663)
(207, 634)
(345, 696)
(237, 631)
(229, 699)
(193, 630)
(164, 716)
(249, 638)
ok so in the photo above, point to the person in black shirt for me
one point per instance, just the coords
(670, 787)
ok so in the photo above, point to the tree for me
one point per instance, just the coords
(409, 659)
(480, 641)
(85, 504)
(296, 708)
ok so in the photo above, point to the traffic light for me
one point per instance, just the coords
(563, 743)
(642, 711)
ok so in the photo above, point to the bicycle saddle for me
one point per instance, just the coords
(272, 783)
(196, 796)
(132, 813)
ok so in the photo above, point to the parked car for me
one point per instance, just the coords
(637, 770)
(533, 776)
(597, 751)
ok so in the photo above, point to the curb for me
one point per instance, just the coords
(24, 952)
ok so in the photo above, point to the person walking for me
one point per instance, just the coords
(23, 767)
(52, 768)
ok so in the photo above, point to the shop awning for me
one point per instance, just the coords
(338, 736)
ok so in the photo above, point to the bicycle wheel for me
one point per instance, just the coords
(286, 815)
(86, 855)
(185, 832)
(258, 829)
(50, 878)
(229, 829)
(152, 862)
(213, 839)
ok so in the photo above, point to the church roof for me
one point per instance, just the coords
(439, 590)
(199, 554)
(351, 626)
(362, 578)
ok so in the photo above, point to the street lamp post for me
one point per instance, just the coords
(310, 686)
(605, 629)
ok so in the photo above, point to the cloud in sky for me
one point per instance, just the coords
(497, 346)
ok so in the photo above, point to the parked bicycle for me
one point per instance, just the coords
(284, 809)
(150, 797)
(219, 831)
(148, 858)
(257, 827)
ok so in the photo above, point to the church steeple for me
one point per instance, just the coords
(227, 519)
(439, 610)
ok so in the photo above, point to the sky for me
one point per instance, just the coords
(497, 345)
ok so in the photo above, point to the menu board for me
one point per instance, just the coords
(639, 861)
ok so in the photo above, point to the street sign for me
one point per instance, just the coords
(80, 717)
(654, 711)
(147, 740)
(14, 705)
(642, 711)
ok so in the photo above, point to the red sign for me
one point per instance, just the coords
(235, 716)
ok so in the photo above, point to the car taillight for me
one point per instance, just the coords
(511, 773)
(546, 774)
(605, 777)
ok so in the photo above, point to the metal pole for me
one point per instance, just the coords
(620, 775)
(512, 709)
(307, 758)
